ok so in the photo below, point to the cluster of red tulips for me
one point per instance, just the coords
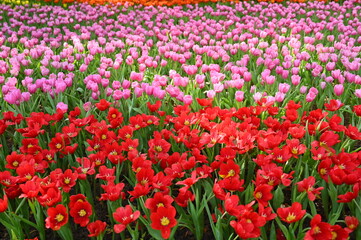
(257, 168)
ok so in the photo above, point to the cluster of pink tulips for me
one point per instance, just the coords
(305, 51)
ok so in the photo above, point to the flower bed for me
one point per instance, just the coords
(222, 121)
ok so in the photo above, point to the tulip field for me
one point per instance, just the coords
(180, 119)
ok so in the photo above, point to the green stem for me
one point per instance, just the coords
(36, 209)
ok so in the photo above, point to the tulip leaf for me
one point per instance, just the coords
(278, 197)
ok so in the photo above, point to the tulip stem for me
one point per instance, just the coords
(358, 206)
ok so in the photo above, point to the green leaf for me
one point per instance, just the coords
(272, 234)
(154, 233)
(216, 229)
(278, 198)
(7, 225)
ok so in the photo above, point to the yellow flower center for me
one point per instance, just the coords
(158, 148)
(114, 115)
(186, 122)
(231, 173)
(15, 163)
(160, 205)
(30, 145)
(59, 217)
(290, 217)
(58, 146)
(294, 150)
(164, 221)
(249, 221)
(352, 226)
(334, 235)
(128, 135)
(258, 195)
(323, 171)
(67, 180)
(341, 166)
(316, 230)
(7, 182)
(82, 213)
(104, 137)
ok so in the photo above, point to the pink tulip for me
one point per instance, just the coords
(310, 96)
(257, 96)
(211, 94)
(338, 89)
(116, 85)
(303, 89)
(322, 85)
(283, 87)
(159, 93)
(247, 76)
(62, 106)
(87, 106)
(187, 99)
(239, 96)
(358, 93)
(295, 79)
(280, 96)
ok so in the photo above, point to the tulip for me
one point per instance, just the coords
(239, 96)
(257, 96)
(187, 99)
(358, 93)
(211, 94)
(338, 89)
(87, 106)
(3, 204)
(322, 85)
(62, 106)
(280, 96)
(295, 79)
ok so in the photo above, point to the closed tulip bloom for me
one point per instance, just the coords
(247, 76)
(322, 85)
(310, 96)
(188, 99)
(4, 204)
(296, 79)
(280, 96)
(239, 96)
(338, 89)
(283, 87)
(211, 94)
(358, 93)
